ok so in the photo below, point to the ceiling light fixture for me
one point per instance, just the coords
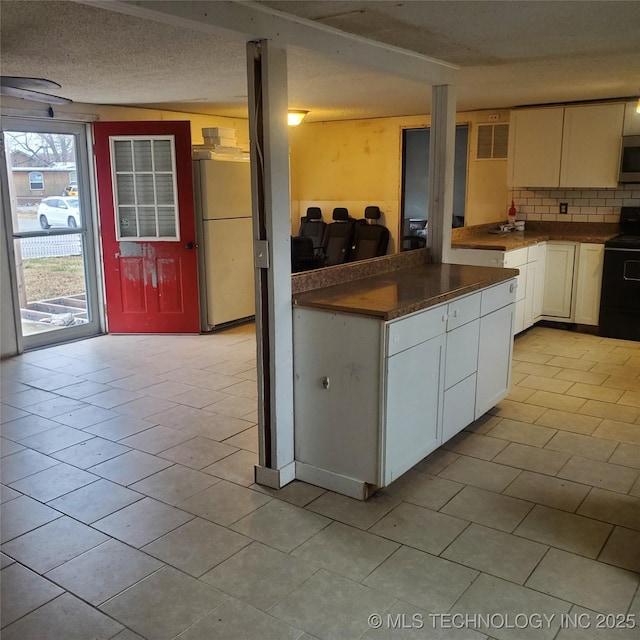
(296, 116)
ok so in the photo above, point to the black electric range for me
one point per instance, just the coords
(620, 294)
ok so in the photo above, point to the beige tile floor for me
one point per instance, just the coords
(129, 510)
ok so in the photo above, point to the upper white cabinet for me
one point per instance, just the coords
(566, 146)
(591, 145)
(535, 145)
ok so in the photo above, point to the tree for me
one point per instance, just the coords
(29, 149)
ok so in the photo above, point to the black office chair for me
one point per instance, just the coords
(369, 240)
(413, 242)
(303, 256)
(313, 226)
(338, 237)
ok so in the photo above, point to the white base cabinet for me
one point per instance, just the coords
(372, 398)
(558, 284)
(573, 281)
(530, 261)
(589, 283)
(413, 405)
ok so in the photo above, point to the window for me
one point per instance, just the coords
(36, 180)
(73, 177)
(145, 189)
(415, 181)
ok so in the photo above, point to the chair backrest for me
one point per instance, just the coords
(369, 240)
(302, 255)
(413, 242)
(338, 237)
(313, 226)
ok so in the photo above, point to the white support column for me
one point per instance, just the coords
(267, 80)
(441, 155)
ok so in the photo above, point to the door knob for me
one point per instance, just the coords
(190, 245)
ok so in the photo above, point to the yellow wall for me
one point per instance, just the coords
(115, 113)
(356, 163)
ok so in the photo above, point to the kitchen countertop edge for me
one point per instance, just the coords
(348, 297)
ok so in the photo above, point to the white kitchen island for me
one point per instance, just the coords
(388, 367)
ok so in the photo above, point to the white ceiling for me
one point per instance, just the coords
(509, 53)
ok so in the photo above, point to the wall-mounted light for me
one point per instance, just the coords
(296, 116)
(638, 106)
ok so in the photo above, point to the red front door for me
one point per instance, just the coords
(145, 197)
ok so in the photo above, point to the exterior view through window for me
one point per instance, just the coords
(415, 183)
(52, 270)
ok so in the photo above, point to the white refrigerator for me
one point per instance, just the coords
(225, 240)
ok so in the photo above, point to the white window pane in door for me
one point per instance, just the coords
(147, 222)
(122, 155)
(162, 155)
(125, 190)
(145, 187)
(164, 189)
(142, 155)
(145, 191)
(167, 222)
(127, 226)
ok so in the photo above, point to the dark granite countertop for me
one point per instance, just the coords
(397, 293)
(535, 232)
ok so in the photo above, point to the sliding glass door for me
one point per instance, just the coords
(51, 229)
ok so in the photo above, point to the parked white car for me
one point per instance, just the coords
(59, 212)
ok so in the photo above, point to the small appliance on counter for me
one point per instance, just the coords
(620, 293)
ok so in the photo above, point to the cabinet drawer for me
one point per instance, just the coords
(412, 330)
(516, 257)
(536, 252)
(498, 296)
(464, 310)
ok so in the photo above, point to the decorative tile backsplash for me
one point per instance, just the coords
(584, 205)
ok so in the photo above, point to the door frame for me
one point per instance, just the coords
(92, 258)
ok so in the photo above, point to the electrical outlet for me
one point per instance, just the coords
(564, 207)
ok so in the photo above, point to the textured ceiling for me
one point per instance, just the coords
(510, 53)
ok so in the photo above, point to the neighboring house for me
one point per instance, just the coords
(34, 183)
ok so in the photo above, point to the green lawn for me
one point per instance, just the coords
(53, 277)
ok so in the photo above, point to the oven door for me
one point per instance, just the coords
(620, 296)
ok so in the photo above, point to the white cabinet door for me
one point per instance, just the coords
(532, 270)
(494, 358)
(591, 145)
(414, 406)
(535, 143)
(459, 407)
(590, 262)
(558, 281)
(337, 374)
(540, 255)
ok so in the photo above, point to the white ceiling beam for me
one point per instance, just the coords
(258, 22)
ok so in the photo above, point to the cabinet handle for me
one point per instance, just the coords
(455, 313)
(326, 382)
(513, 287)
(444, 317)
